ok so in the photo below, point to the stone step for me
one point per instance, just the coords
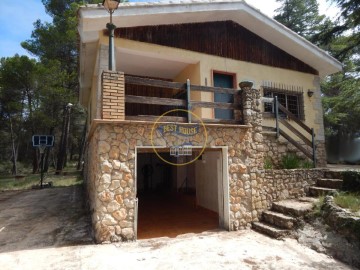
(320, 191)
(270, 230)
(329, 183)
(278, 219)
(294, 208)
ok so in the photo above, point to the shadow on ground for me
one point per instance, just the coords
(35, 219)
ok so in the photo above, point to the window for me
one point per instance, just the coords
(292, 100)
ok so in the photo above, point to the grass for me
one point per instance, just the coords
(292, 161)
(317, 209)
(268, 165)
(349, 201)
(69, 178)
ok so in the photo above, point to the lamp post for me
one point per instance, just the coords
(111, 6)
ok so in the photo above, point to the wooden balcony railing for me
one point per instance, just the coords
(180, 101)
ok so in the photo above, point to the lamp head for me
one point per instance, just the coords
(111, 5)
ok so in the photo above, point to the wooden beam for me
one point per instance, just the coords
(294, 118)
(155, 100)
(217, 105)
(154, 83)
(153, 118)
(214, 89)
(296, 144)
(218, 121)
(296, 132)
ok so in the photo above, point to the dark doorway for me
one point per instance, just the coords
(224, 81)
(169, 203)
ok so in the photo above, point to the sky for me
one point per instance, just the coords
(16, 20)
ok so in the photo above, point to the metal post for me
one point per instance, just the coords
(111, 27)
(42, 149)
(276, 105)
(313, 146)
(188, 100)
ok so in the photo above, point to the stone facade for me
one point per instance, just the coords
(111, 175)
(276, 148)
(110, 171)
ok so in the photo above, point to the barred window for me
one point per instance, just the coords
(293, 101)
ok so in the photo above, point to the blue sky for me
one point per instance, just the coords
(17, 18)
(16, 24)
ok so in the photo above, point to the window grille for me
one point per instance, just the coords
(292, 100)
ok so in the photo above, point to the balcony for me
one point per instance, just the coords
(126, 97)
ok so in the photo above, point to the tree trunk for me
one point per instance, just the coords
(47, 153)
(62, 154)
(14, 155)
(82, 147)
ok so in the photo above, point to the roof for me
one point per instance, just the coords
(93, 18)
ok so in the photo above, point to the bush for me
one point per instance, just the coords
(5, 167)
(307, 164)
(290, 161)
(351, 181)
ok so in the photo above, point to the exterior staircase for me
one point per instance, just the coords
(283, 217)
(325, 186)
(287, 215)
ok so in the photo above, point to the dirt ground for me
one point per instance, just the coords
(43, 218)
(48, 229)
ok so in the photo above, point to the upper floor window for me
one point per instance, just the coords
(293, 101)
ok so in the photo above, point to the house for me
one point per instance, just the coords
(187, 118)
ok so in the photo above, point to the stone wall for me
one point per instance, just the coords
(341, 220)
(288, 184)
(110, 168)
(275, 149)
(111, 176)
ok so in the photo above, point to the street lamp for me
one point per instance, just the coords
(111, 6)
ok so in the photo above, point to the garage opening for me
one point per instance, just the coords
(174, 200)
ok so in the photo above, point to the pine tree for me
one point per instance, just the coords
(301, 16)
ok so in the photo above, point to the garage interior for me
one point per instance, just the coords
(174, 200)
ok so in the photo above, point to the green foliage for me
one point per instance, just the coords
(317, 211)
(69, 179)
(341, 38)
(33, 93)
(301, 16)
(349, 201)
(347, 25)
(268, 164)
(351, 181)
(307, 164)
(290, 161)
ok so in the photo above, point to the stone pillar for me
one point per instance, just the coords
(251, 99)
(113, 95)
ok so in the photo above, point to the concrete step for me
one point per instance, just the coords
(294, 208)
(319, 191)
(270, 230)
(329, 183)
(278, 219)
